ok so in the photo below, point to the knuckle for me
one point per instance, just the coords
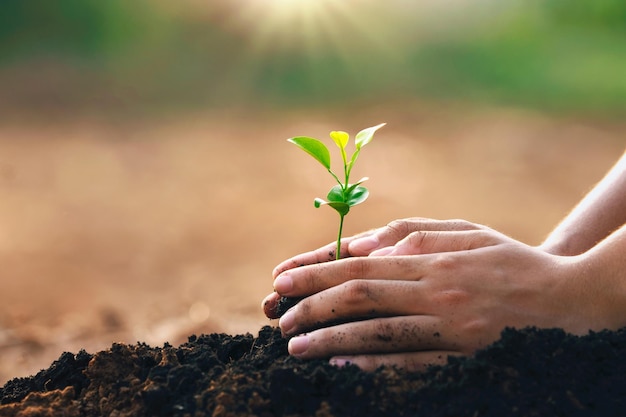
(475, 326)
(484, 235)
(462, 224)
(313, 278)
(355, 268)
(399, 227)
(482, 238)
(445, 261)
(306, 278)
(383, 331)
(358, 291)
(420, 239)
(416, 238)
(478, 332)
(451, 297)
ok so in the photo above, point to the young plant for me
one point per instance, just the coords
(344, 195)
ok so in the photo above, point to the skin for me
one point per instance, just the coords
(418, 290)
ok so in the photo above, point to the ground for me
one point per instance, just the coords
(153, 229)
(527, 372)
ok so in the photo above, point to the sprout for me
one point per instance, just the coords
(344, 195)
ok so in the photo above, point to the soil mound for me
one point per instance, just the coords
(528, 372)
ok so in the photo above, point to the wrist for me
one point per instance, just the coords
(603, 277)
(571, 244)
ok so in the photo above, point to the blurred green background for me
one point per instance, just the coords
(557, 55)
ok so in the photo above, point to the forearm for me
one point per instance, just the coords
(600, 212)
(605, 269)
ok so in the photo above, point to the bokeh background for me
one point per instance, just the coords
(146, 188)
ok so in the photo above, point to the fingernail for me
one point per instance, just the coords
(287, 321)
(340, 362)
(298, 345)
(364, 244)
(382, 251)
(283, 284)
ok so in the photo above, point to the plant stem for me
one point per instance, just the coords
(344, 187)
(336, 178)
(337, 251)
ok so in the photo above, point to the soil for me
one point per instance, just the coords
(284, 304)
(528, 372)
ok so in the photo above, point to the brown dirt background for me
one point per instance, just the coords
(152, 229)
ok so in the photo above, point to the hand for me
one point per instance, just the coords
(364, 244)
(449, 288)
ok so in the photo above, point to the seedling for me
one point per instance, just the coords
(344, 195)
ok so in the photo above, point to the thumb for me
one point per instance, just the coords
(424, 242)
(398, 230)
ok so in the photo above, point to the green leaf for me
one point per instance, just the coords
(355, 155)
(357, 195)
(313, 147)
(340, 207)
(365, 136)
(336, 194)
(340, 138)
(351, 187)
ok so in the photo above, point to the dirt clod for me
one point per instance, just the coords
(528, 372)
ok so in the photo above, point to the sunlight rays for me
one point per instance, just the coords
(316, 42)
(315, 26)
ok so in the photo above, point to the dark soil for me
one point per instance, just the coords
(284, 304)
(528, 372)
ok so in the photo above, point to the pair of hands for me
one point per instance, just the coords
(413, 292)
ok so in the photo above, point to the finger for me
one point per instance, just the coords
(324, 254)
(410, 361)
(375, 336)
(310, 279)
(354, 300)
(399, 229)
(270, 304)
(427, 242)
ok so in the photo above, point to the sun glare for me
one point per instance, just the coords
(302, 24)
(295, 43)
(290, 9)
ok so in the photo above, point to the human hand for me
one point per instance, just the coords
(381, 240)
(448, 291)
